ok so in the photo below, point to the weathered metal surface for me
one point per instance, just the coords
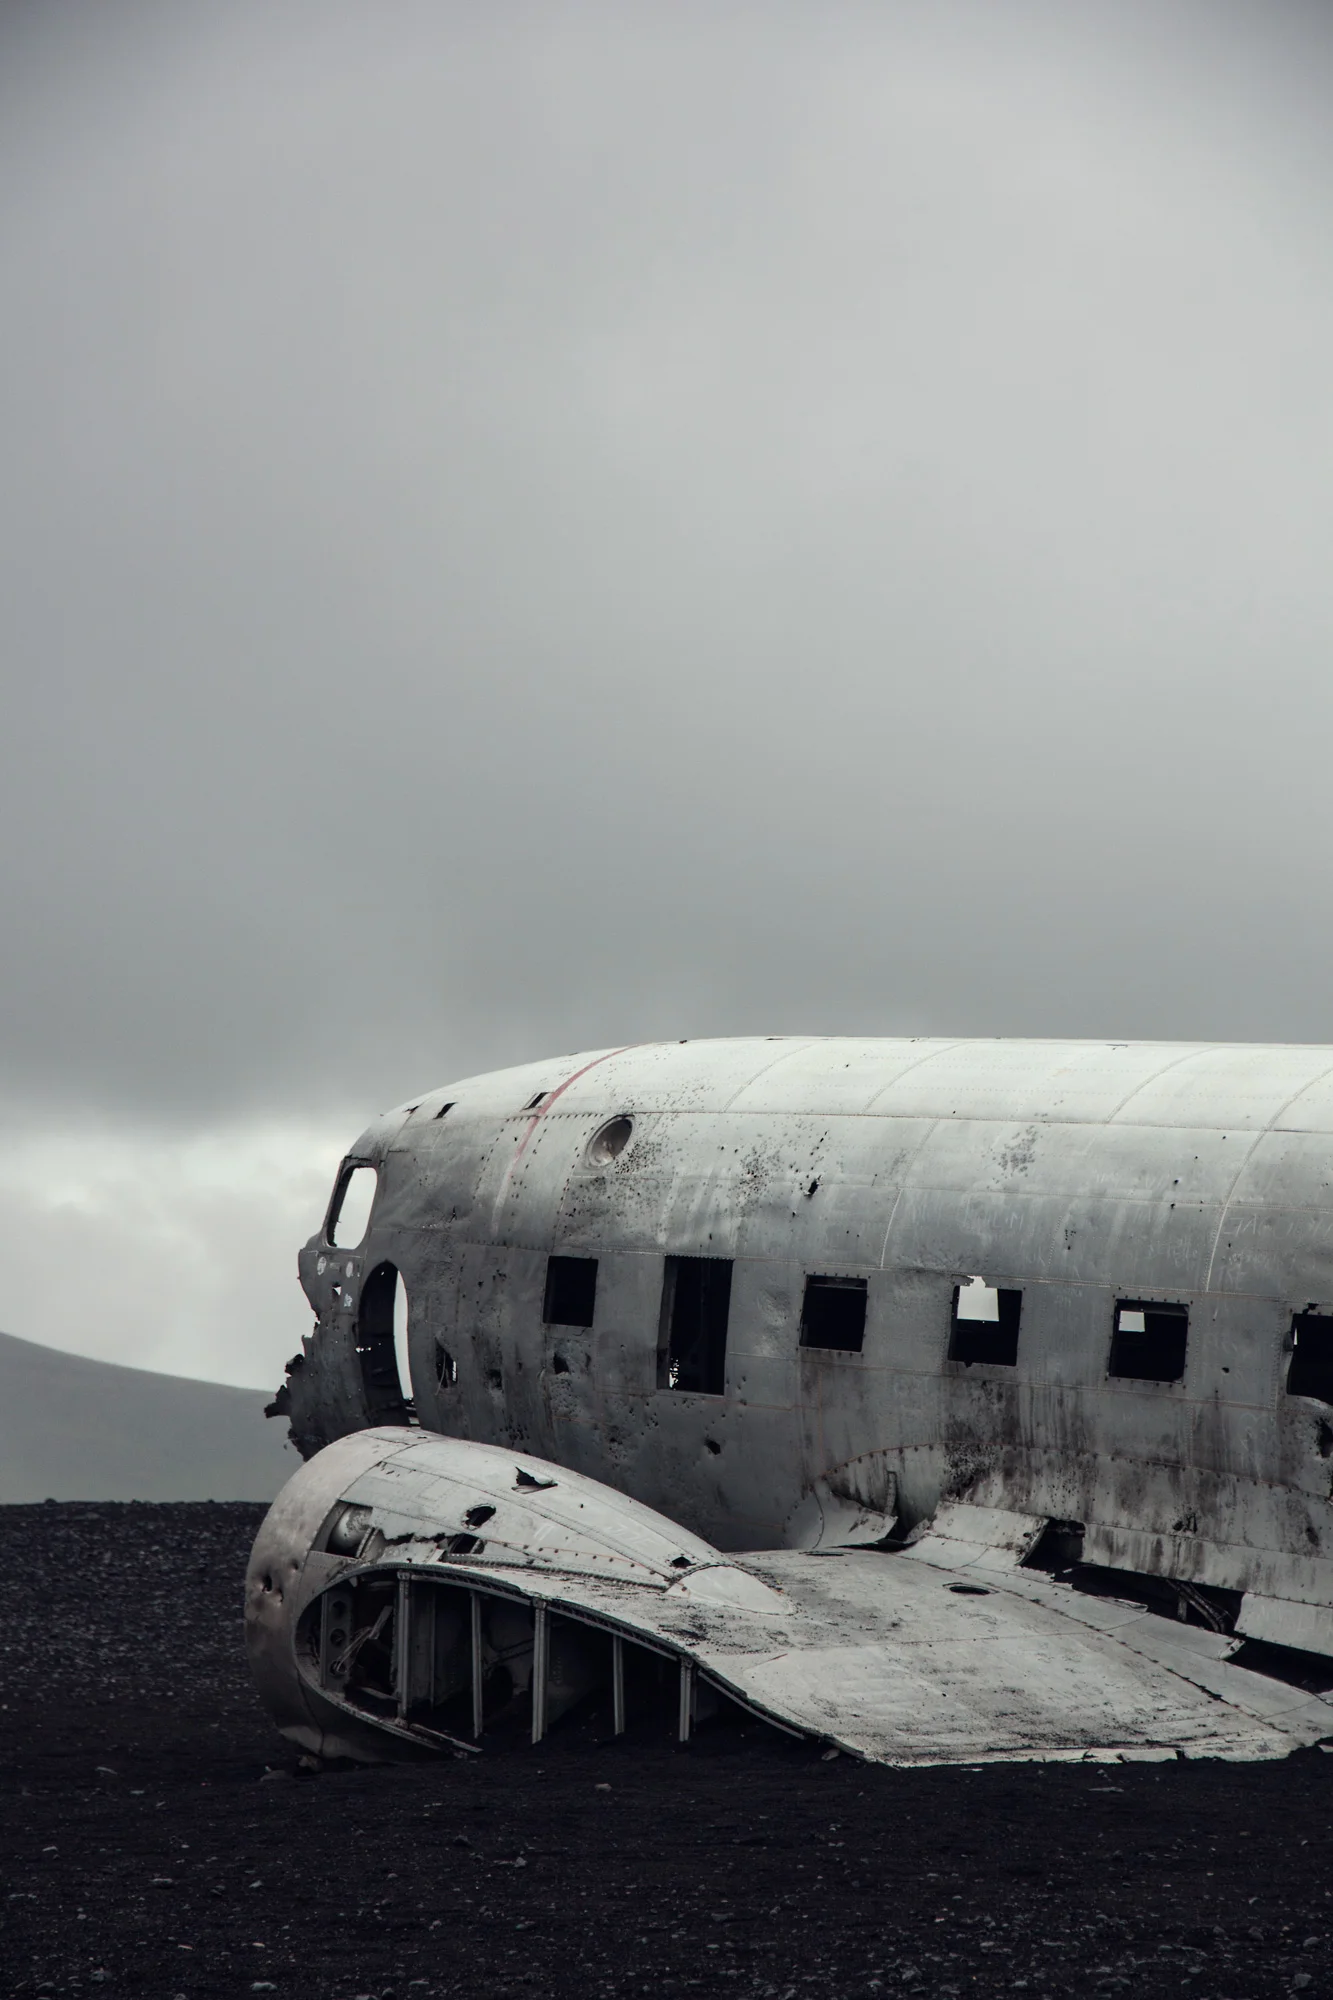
(1077, 1174)
(950, 1653)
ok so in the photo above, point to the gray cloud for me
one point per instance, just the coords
(528, 527)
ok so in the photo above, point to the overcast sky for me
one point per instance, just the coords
(529, 527)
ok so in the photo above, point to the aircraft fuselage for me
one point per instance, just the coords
(787, 1288)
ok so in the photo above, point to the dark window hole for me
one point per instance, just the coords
(692, 1337)
(533, 1102)
(833, 1314)
(559, 1365)
(477, 1517)
(1149, 1341)
(446, 1108)
(446, 1368)
(984, 1325)
(571, 1291)
(1310, 1372)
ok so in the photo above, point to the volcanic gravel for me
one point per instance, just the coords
(158, 1838)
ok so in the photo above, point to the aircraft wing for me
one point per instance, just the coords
(409, 1589)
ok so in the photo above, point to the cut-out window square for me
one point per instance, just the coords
(692, 1341)
(1149, 1341)
(1311, 1370)
(833, 1315)
(571, 1291)
(985, 1323)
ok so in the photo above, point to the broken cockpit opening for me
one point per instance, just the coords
(446, 1663)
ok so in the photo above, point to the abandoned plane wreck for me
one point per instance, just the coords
(936, 1401)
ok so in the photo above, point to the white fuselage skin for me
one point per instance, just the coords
(1081, 1175)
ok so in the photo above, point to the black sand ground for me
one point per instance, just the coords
(156, 1842)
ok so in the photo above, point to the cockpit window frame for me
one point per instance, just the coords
(332, 1215)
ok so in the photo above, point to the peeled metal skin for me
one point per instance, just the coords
(402, 1586)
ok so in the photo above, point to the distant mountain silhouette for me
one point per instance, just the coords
(74, 1429)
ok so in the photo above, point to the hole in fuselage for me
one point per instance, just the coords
(833, 1315)
(1310, 1372)
(1149, 1340)
(985, 1324)
(571, 1291)
(381, 1332)
(692, 1338)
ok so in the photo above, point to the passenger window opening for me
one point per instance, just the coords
(571, 1291)
(984, 1326)
(1310, 1371)
(381, 1335)
(692, 1340)
(349, 1211)
(534, 1102)
(833, 1314)
(446, 1368)
(1149, 1341)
